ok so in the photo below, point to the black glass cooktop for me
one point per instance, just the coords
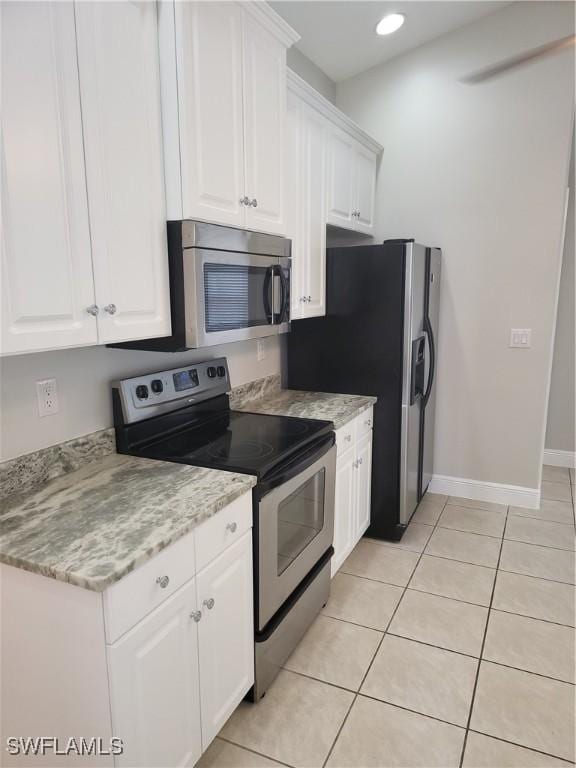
(251, 443)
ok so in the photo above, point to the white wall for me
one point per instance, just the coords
(313, 75)
(84, 377)
(481, 171)
(560, 430)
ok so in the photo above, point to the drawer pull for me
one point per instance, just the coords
(347, 438)
(360, 461)
(232, 527)
(196, 615)
(209, 603)
(368, 422)
(163, 581)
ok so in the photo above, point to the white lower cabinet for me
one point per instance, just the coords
(353, 486)
(226, 656)
(158, 660)
(154, 684)
(177, 676)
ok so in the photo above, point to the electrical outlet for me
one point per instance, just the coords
(521, 338)
(47, 395)
(261, 350)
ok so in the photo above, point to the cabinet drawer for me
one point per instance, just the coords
(223, 529)
(128, 601)
(345, 437)
(364, 422)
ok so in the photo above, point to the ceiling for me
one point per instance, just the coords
(339, 37)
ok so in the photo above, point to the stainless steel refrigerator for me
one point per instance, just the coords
(379, 337)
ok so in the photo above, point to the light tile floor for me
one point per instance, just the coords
(455, 647)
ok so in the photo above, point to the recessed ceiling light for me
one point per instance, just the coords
(390, 23)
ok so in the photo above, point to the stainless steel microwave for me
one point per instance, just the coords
(226, 285)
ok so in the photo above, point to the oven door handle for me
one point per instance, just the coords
(301, 462)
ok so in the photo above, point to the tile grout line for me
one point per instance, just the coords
(253, 751)
(475, 688)
(522, 746)
(379, 644)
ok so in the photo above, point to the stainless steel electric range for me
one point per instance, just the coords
(184, 415)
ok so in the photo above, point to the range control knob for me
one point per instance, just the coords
(221, 371)
(211, 372)
(142, 392)
(157, 386)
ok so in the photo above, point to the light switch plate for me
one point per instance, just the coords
(521, 338)
(47, 395)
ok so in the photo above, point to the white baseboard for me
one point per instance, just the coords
(560, 458)
(513, 495)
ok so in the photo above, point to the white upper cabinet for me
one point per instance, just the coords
(351, 183)
(209, 72)
(330, 179)
(47, 283)
(120, 92)
(84, 256)
(365, 187)
(306, 205)
(341, 178)
(264, 122)
(224, 108)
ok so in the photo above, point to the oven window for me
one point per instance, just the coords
(236, 296)
(300, 519)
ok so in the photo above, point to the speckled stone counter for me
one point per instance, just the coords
(93, 526)
(340, 409)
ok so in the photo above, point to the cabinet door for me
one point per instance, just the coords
(365, 186)
(345, 508)
(313, 205)
(264, 78)
(364, 483)
(120, 88)
(226, 635)
(341, 178)
(154, 686)
(294, 204)
(47, 282)
(209, 67)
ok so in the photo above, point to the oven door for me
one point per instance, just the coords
(294, 526)
(233, 296)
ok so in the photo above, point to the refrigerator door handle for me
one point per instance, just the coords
(432, 369)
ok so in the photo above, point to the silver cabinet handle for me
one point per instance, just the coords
(232, 527)
(254, 203)
(209, 603)
(368, 422)
(163, 581)
(309, 298)
(360, 461)
(110, 308)
(347, 438)
(93, 310)
(244, 200)
(196, 615)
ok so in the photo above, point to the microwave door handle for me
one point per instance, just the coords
(285, 297)
(268, 292)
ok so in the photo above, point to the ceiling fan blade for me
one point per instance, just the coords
(522, 58)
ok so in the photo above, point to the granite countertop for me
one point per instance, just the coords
(340, 409)
(93, 526)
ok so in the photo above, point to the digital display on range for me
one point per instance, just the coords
(185, 380)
